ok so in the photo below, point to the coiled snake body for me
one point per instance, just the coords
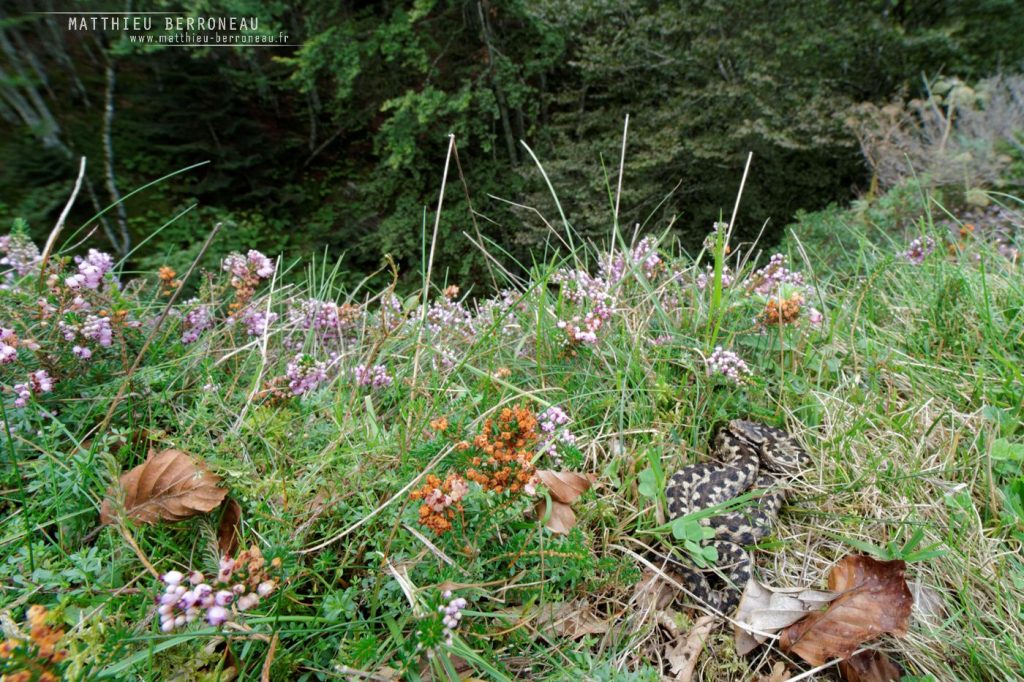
(747, 456)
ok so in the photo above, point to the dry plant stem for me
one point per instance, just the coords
(55, 232)
(156, 328)
(126, 534)
(269, 660)
(622, 165)
(472, 213)
(430, 263)
(739, 195)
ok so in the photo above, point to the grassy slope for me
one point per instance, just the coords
(900, 397)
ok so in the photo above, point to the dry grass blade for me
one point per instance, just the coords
(169, 486)
(875, 599)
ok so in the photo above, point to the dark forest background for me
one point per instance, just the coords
(339, 144)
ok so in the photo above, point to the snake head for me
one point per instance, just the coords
(779, 450)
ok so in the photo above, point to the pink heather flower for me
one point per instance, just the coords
(918, 250)
(646, 255)
(708, 276)
(452, 614)
(98, 329)
(196, 321)
(81, 352)
(769, 278)
(815, 317)
(376, 377)
(91, 270)
(265, 588)
(728, 364)
(459, 488)
(8, 346)
(20, 255)
(554, 432)
(258, 321)
(304, 374)
(226, 568)
(247, 601)
(216, 615)
(39, 382)
(224, 598)
(172, 578)
(253, 264)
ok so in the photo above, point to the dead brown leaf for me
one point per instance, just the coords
(685, 652)
(572, 619)
(168, 486)
(230, 528)
(779, 674)
(875, 599)
(763, 611)
(563, 488)
(870, 666)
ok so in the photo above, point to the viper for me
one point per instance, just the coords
(747, 456)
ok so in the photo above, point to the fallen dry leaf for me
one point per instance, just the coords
(572, 619)
(168, 486)
(654, 590)
(779, 674)
(870, 666)
(229, 531)
(683, 655)
(763, 611)
(875, 599)
(563, 488)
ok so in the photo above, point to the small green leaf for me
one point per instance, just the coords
(1003, 449)
(648, 486)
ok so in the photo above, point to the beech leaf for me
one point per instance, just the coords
(229, 530)
(168, 486)
(870, 666)
(562, 518)
(565, 486)
(874, 600)
(763, 611)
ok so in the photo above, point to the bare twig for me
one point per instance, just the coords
(55, 232)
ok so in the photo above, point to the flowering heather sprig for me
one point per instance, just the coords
(815, 317)
(645, 254)
(728, 364)
(97, 329)
(577, 286)
(450, 318)
(39, 382)
(246, 273)
(708, 276)
(768, 279)
(554, 431)
(327, 320)
(8, 346)
(452, 614)
(376, 377)
(257, 321)
(584, 331)
(440, 501)
(20, 254)
(240, 585)
(36, 658)
(91, 270)
(390, 311)
(305, 374)
(197, 320)
(918, 250)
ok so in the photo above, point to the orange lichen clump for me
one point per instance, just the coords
(788, 312)
(35, 658)
(440, 501)
(508, 445)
